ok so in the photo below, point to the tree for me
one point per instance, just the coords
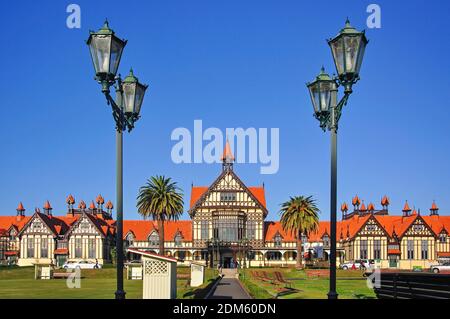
(299, 216)
(161, 199)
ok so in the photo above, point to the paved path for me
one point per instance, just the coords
(229, 288)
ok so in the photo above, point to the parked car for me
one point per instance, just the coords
(83, 264)
(442, 267)
(359, 264)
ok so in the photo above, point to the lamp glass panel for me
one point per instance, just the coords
(100, 47)
(362, 48)
(337, 48)
(140, 91)
(129, 93)
(116, 53)
(315, 96)
(351, 44)
(325, 96)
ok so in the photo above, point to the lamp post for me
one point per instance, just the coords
(348, 51)
(106, 50)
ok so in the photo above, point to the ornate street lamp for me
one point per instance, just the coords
(106, 51)
(348, 50)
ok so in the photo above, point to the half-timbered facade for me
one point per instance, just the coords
(227, 226)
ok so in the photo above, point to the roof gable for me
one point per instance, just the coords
(227, 181)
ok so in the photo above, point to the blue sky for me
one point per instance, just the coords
(230, 64)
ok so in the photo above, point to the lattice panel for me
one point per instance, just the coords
(156, 267)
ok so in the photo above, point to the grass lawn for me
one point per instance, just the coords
(19, 282)
(350, 284)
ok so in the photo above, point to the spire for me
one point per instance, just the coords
(385, 202)
(344, 207)
(82, 205)
(227, 157)
(434, 209)
(371, 207)
(48, 208)
(20, 211)
(406, 210)
(356, 201)
(363, 207)
(92, 205)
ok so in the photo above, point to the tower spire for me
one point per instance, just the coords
(227, 157)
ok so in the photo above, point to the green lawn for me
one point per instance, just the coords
(18, 282)
(350, 285)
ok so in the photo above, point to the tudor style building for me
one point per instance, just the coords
(227, 226)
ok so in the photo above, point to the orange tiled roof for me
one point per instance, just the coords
(443, 254)
(344, 207)
(7, 221)
(355, 200)
(198, 191)
(434, 206)
(143, 228)
(394, 252)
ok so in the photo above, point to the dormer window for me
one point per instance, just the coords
(153, 239)
(178, 240)
(129, 240)
(277, 240)
(227, 196)
(326, 240)
(442, 237)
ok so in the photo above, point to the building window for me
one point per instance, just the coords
(326, 240)
(363, 249)
(153, 239)
(251, 229)
(227, 196)
(443, 238)
(91, 248)
(377, 249)
(204, 229)
(273, 255)
(78, 247)
(178, 240)
(44, 247)
(129, 240)
(251, 255)
(410, 249)
(277, 240)
(229, 229)
(30, 248)
(181, 255)
(424, 254)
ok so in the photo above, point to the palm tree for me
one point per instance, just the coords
(161, 199)
(299, 215)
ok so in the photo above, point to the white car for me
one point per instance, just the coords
(442, 267)
(83, 264)
(359, 264)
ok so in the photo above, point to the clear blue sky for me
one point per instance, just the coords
(231, 64)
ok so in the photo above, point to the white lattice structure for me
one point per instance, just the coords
(159, 275)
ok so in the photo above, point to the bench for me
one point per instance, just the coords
(317, 273)
(57, 275)
(410, 285)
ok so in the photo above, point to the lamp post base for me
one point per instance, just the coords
(120, 294)
(332, 295)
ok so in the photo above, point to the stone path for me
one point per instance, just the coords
(229, 287)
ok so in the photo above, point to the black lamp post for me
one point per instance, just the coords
(348, 51)
(106, 50)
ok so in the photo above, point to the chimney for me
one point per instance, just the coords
(385, 203)
(48, 209)
(20, 212)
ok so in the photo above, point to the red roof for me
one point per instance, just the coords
(145, 253)
(394, 252)
(61, 251)
(443, 254)
(11, 253)
(143, 228)
(7, 221)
